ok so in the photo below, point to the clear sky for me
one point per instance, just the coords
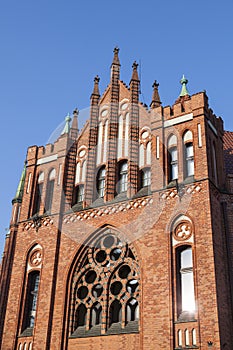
(51, 51)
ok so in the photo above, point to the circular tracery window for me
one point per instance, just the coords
(108, 273)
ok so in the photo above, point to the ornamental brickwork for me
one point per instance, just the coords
(121, 234)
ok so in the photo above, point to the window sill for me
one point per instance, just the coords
(81, 332)
(28, 332)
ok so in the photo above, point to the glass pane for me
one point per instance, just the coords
(174, 170)
(173, 153)
(190, 167)
(189, 150)
(186, 258)
(187, 289)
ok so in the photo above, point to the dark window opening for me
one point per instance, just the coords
(31, 300)
(189, 159)
(101, 182)
(115, 312)
(79, 194)
(37, 200)
(146, 177)
(80, 316)
(132, 310)
(172, 164)
(96, 315)
(123, 177)
(49, 196)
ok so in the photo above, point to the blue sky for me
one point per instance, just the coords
(51, 51)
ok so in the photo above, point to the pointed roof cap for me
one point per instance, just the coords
(135, 71)
(74, 124)
(155, 97)
(116, 60)
(67, 125)
(184, 82)
(19, 192)
(96, 86)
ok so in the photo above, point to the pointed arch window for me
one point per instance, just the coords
(105, 282)
(101, 182)
(81, 316)
(38, 193)
(49, 191)
(31, 299)
(132, 310)
(123, 177)
(188, 154)
(115, 312)
(96, 315)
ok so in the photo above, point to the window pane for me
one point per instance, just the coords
(186, 258)
(174, 172)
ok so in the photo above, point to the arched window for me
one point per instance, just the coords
(79, 194)
(146, 177)
(31, 299)
(49, 191)
(185, 282)
(115, 312)
(38, 193)
(188, 154)
(80, 316)
(95, 315)
(105, 280)
(101, 182)
(172, 158)
(123, 177)
(132, 309)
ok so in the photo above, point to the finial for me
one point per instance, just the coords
(96, 86)
(67, 125)
(155, 97)
(75, 112)
(135, 65)
(184, 82)
(135, 72)
(155, 85)
(116, 58)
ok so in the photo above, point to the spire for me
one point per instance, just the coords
(66, 129)
(19, 192)
(96, 91)
(116, 60)
(184, 91)
(135, 72)
(155, 97)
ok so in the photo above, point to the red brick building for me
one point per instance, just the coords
(121, 234)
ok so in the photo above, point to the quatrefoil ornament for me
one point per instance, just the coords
(183, 231)
(36, 258)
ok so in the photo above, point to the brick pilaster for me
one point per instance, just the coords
(133, 179)
(92, 144)
(113, 129)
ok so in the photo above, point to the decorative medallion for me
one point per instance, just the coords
(36, 258)
(183, 231)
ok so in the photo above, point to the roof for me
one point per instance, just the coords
(228, 151)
